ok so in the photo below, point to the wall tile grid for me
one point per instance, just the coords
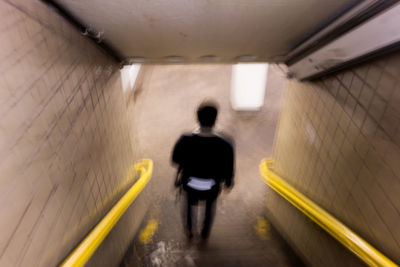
(339, 143)
(65, 137)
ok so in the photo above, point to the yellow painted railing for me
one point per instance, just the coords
(88, 246)
(335, 228)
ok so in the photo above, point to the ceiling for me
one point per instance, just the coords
(205, 30)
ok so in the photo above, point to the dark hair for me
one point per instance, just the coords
(207, 114)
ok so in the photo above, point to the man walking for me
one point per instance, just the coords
(206, 162)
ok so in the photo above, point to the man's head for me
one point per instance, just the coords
(207, 114)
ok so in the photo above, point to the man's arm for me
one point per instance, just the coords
(177, 153)
(230, 167)
(177, 156)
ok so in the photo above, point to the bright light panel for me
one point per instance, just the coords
(248, 86)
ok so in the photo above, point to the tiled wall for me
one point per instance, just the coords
(339, 143)
(65, 139)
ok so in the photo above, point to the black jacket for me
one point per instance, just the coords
(205, 157)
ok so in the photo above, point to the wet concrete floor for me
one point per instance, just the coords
(164, 108)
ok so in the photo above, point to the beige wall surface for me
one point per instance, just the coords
(65, 140)
(339, 143)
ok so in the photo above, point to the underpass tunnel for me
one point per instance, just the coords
(90, 88)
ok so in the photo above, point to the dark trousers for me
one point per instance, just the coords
(193, 197)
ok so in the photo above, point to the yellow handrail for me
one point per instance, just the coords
(335, 228)
(88, 246)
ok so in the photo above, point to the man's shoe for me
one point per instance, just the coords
(189, 234)
(205, 234)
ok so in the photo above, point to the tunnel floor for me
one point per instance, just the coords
(163, 108)
(237, 239)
